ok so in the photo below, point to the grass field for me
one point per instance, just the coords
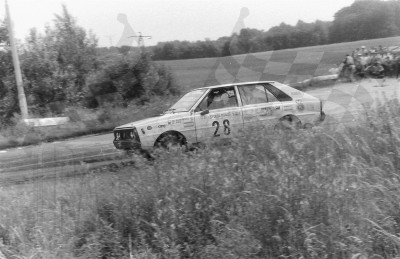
(306, 194)
(325, 193)
(288, 66)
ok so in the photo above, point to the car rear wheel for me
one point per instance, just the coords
(288, 123)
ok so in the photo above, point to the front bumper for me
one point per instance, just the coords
(127, 139)
(127, 144)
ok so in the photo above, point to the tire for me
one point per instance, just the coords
(171, 141)
(307, 126)
(288, 123)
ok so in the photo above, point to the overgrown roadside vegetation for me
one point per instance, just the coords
(64, 75)
(325, 193)
(83, 121)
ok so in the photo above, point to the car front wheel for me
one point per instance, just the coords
(171, 141)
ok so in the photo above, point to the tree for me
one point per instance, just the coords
(133, 77)
(169, 51)
(75, 49)
(44, 82)
(57, 63)
(366, 20)
(3, 32)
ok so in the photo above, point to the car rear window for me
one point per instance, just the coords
(253, 94)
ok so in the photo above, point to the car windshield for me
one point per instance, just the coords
(187, 101)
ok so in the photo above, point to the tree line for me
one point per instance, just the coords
(63, 68)
(368, 19)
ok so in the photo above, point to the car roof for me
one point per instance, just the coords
(233, 84)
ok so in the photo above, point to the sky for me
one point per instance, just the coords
(166, 20)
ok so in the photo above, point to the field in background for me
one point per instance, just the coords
(311, 61)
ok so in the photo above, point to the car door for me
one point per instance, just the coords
(259, 106)
(218, 116)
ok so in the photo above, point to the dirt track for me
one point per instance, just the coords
(342, 103)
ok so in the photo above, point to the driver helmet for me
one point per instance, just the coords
(224, 98)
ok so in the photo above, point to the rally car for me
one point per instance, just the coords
(222, 112)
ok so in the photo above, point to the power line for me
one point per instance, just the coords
(141, 38)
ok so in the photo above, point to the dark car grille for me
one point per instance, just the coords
(126, 139)
(125, 134)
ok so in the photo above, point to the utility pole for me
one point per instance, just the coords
(17, 70)
(140, 39)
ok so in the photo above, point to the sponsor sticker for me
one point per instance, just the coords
(221, 115)
(287, 107)
(266, 111)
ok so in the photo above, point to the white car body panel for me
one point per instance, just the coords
(226, 122)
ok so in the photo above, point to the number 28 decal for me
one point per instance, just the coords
(227, 129)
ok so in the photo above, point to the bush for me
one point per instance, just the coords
(131, 77)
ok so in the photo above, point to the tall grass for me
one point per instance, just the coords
(324, 193)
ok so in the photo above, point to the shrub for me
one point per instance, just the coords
(130, 77)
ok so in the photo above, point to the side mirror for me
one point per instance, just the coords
(204, 112)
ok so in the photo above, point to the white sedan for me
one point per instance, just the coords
(222, 112)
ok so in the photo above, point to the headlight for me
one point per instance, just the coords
(126, 134)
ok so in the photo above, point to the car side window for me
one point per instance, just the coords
(253, 94)
(219, 98)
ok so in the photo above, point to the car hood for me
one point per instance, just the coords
(153, 120)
